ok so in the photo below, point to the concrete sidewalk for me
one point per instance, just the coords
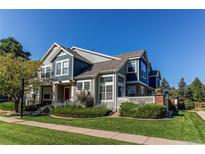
(139, 139)
(201, 114)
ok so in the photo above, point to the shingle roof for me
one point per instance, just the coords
(110, 65)
(96, 68)
(127, 55)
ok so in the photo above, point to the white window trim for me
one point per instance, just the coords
(135, 60)
(44, 66)
(61, 61)
(106, 84)
(83, 82)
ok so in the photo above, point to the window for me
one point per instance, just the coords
(46, 96)
(86, 85)
(79, 86)
(62, 67)
(131, 66)
(83, 85)
(142, 90)
(58, 68)
(65, 67)
(132, 91)
(48, 72)
(106, 79)
(109, 92)
(143, 70)
(106, 88)
(45, 71)
(47, 91)
(102, 92)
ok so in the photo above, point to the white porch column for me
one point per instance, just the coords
(115, 90)
(73, 90)
(55, 94)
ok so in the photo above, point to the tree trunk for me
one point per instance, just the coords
(16, 107)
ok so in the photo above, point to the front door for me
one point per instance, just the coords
(67, 93)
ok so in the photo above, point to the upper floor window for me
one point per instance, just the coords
(45, 71)
(143, 70)
(131, 66)
(62, 67)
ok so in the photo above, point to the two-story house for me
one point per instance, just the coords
(107, 78)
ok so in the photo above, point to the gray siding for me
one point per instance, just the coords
(64, 77)
(123, 70)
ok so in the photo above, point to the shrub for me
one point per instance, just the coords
(31, 108)
(188, 104)
(81, 112)
(85, 98)
(151, 111)
(7, 106)
(126, 109)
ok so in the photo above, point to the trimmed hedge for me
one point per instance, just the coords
(126, 109)
(7, 106)
(146, 111)
(81, 112)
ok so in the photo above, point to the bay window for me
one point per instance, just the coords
(106, 88)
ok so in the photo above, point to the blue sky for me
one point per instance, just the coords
(174, 39)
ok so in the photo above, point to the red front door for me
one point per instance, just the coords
(67, 93)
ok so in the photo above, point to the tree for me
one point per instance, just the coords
(188, 93)
(11, 45)
(182, 89)
(12, 70)
(173, 93)
(164, 86)
(197, 90)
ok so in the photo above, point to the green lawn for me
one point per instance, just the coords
(7, 106)
(187, 126)
(18, 134)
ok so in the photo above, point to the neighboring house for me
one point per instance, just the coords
(107, 78)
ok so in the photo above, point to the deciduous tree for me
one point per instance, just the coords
(11, 45)
(12, 70)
